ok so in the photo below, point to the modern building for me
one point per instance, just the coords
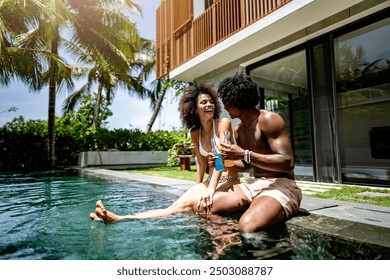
(324, 65)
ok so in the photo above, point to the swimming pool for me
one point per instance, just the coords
(46, 216)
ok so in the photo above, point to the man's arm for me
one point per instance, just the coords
(239, 165)
(275, 155)
(281, 157)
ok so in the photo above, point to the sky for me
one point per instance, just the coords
(128, 112)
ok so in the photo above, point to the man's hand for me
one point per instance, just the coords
(231, 151)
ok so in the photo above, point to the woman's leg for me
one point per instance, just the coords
(183, 204)
(232, 200)
(102, 214)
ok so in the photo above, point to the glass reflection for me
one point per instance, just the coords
(286, 92)
(362, 60)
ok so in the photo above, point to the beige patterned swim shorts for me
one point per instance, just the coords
(284, 190)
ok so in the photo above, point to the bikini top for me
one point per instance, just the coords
(202, 151)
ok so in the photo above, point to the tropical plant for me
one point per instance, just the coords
(31, 31)
(21, 126)
(12, 109)
(112, 47)
(94, 32)
(158, 93)
(182, 146)
(78, 124)
(18, 18)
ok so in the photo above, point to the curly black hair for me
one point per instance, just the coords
(189, 100)
(239, 91)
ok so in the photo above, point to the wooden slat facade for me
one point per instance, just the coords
(180, 37)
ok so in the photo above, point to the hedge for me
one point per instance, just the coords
(28, 151)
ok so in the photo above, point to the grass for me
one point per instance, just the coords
(345, 193)
(168, 172)
(354, 194)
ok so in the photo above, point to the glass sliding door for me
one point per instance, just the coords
(324, 112)
(286, 92)
(362, 61)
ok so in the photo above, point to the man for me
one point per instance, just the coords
(262, 145)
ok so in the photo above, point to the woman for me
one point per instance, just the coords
(199, 111)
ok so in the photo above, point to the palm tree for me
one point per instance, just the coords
(46, 36)
(112, 45)
(26, 29)
(102, 36)
(16, 18)
(158, 93)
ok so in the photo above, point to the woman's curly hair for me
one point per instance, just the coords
(240, 91)
(189, 100)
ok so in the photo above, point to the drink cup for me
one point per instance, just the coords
(218, 162)
(228, 163)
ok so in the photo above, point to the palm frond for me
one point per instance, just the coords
(74, 99)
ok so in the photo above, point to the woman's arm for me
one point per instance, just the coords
(206, 200)
(201, 160)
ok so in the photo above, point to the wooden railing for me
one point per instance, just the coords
(224, 18)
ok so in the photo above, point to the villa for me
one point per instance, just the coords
(323, 65)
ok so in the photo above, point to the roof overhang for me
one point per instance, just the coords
(293, 18)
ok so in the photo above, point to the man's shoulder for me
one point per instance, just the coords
(269, 116)
(267, 113)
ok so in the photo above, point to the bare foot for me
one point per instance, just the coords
(94, 217)
(101, 213)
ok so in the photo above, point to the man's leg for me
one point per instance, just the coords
(264, 211)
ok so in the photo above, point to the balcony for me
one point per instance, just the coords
(180, 37)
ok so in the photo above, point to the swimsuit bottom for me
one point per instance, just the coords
(284, 190)
(224, 179)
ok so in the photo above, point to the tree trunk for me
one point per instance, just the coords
(97, 107)
(156, 110)
(52, 107)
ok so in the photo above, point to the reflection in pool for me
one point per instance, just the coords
(46, 216)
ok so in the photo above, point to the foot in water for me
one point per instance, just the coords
(101, 214)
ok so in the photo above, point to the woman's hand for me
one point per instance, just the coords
(206, 200)
(211, 160)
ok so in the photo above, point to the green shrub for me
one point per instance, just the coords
(24, 143)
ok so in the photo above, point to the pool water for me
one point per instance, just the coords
(46, 216)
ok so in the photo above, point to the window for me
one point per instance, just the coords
(362, 61)
(286, 92)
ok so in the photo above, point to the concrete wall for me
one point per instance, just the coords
(122, 160)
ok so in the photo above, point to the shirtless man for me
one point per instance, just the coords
(263, 145)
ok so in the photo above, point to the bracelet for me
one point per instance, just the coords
(247, 156)
(246, 165)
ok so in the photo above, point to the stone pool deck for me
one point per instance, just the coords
(359, 222)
